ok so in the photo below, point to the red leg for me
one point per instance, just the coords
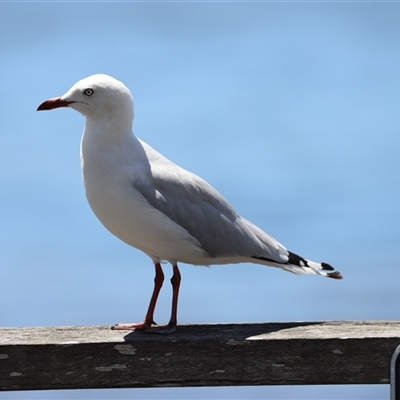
(176, 283)
(171, 327)
(149, 319)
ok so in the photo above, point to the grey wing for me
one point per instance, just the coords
(197, 207)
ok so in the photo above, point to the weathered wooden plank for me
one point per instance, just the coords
(198, 355)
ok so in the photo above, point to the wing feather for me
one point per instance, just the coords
(197, 207)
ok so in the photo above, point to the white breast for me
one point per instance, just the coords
(110, 170)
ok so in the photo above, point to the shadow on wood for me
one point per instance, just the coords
(308, 353)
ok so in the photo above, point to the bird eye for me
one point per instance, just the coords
(88, 92)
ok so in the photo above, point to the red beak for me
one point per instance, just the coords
(56, 102)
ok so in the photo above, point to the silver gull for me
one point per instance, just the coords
(158, 207)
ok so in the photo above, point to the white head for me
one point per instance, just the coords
(97, 97)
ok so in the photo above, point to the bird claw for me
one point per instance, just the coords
(145, 327)
(132, 327)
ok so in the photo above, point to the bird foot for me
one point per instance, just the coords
(160, 330)
(145, 327)
(132, 327)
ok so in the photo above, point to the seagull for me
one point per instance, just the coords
(152, 204)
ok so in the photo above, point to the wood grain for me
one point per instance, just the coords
(198, 355)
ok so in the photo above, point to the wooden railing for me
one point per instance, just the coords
(294, 353)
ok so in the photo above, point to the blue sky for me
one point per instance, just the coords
(291, 110)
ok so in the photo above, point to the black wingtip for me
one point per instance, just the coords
(334, 275)
(327, 267)
(297, 260)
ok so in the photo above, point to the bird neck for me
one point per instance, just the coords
(105, 141)
(115, 125)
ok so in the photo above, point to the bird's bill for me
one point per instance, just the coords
(56, 102)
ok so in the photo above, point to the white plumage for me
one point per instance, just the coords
(156, 206)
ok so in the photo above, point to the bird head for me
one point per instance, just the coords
(96, 97)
